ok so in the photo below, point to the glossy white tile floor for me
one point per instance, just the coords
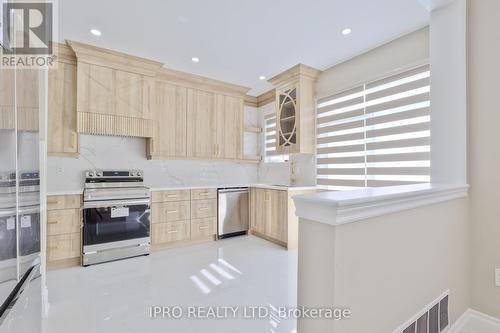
(117, 296)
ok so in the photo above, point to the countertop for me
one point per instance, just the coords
(194, 187)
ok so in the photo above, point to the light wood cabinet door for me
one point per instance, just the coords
(170, 232)
(170, 211)
(203, 208)
(229, 127)
(203, 228)
(63, 202)
(63, 246)
(276, 214)
(65, 221)
(203, 194)
(201, 124)
(260, 211)
(62, 134)
(170, 127)
(166, 196)
(270, 213)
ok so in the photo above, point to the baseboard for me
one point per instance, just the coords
(469, 315)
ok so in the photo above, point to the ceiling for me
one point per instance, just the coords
(237, 41)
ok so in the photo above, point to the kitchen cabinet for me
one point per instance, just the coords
(63, 138)
(201, 124)
(26, 99)
(182, 216)
(268, 214)
(170, 122)
(64, 220)
(229, 127)
(272, 215)
(115, 92)
(296, 110)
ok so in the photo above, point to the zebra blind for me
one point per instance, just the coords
(376, 134)
(270, 133)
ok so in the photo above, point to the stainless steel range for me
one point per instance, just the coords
(116, 208)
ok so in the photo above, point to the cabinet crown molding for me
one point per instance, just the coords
(108, 58)
(294, 74)
(200, 82)
(64, 53)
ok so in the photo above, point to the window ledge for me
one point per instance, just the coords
(341, 207)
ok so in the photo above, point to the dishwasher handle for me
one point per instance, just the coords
(234, 190)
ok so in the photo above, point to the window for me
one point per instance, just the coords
(270, 140)
(376, 134)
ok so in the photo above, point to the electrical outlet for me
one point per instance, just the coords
(497, 277)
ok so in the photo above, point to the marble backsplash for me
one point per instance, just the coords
(106, 152)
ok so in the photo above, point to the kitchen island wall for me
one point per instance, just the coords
(108, 152)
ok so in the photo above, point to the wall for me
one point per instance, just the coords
(484, 156)
(106, 152)
(448, 45)
(403, 53)
(385, 269)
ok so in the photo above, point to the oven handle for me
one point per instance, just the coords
(115, 203)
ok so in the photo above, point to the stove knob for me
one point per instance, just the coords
(91, 174)
(99, 173)
(133, 173)
(139, 174)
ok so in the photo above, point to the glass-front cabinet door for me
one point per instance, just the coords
(287, 120)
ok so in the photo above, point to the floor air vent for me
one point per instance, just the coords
(433, 320)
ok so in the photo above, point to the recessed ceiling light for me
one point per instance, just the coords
(95, 32)
(195, 59)
(262, 77)
(346, 31)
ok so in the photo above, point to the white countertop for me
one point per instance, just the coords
(342, 207)
(194, 187)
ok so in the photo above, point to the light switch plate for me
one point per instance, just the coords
(497, 277)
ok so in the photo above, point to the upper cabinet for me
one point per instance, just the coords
(62, 135)
(295, 110)
(115, 92)
(196, 118)
(170, 116)
(201, 124)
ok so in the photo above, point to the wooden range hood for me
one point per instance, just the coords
(115, 92)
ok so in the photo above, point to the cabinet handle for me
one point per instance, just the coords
(203, 208)
(73, 140)
(53, 222)
(201, 228)
(171, 211)
(52, 201)
(171, 195)
(173, 231)
(203, 194)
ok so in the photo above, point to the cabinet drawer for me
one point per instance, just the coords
(63, 246)
(63, 202)
(209, 193)
(165, 196)
(203, 208)
(65, 221)
(201, 228)
(170, 232)
(170, 211)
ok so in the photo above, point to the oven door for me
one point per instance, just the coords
(115, 221)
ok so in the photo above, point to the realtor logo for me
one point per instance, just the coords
(27, 28)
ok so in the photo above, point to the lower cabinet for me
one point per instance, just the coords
(64, 220)
(269, 217)
(203, 228)
(183, 216)
(272, 216)
(170, 232)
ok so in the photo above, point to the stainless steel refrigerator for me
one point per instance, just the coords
(20, 241)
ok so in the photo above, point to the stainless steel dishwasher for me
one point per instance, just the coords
(233, 212)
